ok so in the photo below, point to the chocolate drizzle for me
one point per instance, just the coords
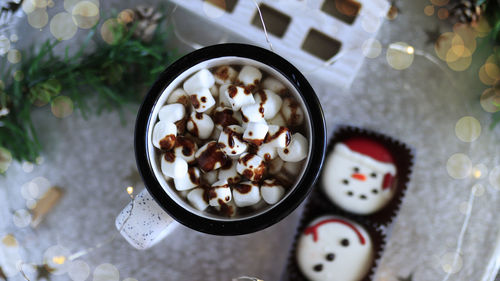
(281, 130)
(168, 142)
(169, 156)
(225, 118)
(243, 188)
(194, 101)
(188, 145)
(232, 91)
(192, 176)
(210, 157)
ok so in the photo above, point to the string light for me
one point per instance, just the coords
(59, 259)
(410, 50)
(130, 190)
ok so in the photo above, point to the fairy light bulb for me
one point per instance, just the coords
(130, 190)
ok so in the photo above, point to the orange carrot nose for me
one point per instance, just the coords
(360, 177)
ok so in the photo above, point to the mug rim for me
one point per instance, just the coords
(302, 188)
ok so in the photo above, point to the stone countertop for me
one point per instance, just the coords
(93, 160)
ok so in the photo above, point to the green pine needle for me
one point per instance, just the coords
(117, 74)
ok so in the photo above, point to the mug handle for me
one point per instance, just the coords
(143, 223)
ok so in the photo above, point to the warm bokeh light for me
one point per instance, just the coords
(459, 166)
(371, 48)
(400, 55)
(62, 106)
(38, 18)
(85, 14)
(429, 10)
(440, 2)
(5, 159)
(62, 26)
(490, 99)
(468, 129)
(443, 13)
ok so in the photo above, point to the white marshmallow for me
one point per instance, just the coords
(269, 102)
(292, 112)
(228, 172)
(209, 157)
(211, 177)
(190, 180)
(200, 125)
(278, 120)
(185, 148)
(214, 90)
(203, 79)
(196, 198)
(224, 116)
(267, 151)
(274, 85)
(225, 74)
(251, 113)
(274, 167)
(246, 194)
(296, 151)
(250, 77)
(278, 136)
(174, 167)
(251, 166)
(172, 112)
(219, 191)
(231, 142)
(178, 96)
(164, 134)
(223, 99)
(256, 132)
(271, 191)
(202, 100)
(237, 97)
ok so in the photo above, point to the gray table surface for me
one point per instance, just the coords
(93, 161)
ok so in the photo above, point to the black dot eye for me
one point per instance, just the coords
(345, 181)
(330, 257)
(349, 193)
(373, 175)
(344, 242)
(362, 196)
(374, 191)
(318, 267)
(356, 169)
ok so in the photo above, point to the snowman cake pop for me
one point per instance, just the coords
(359, 176)
(334, 249)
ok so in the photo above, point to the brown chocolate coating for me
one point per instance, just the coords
(168, 142)
(210, 157)
(225, 118)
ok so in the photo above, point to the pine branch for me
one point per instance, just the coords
(116, 73)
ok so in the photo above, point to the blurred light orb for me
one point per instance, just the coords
(479, 171)
(85, 14)
(482, 27)
(39, 3)
(107, 30)
(4, 45)
(468, 129)
(400, 55)
(62, 26)
(494, 177)
(106, 272)
(9, 241)
(478, 190)
(78, 270)
(214, 8)
(28, 6)
(490, 100)
(30, 190)
(27, 167)
(21, 218)
(31, 204)
(62, 106)
(459, 166)
(440, 2)
(69, 5)
(5, 159)
(443, 13)
(38, 18)
(429, 10)
(370, 24)
(371, 48)
(126, 16)
(459, 63)
(451, 262)
(56, 258)
(14, 38)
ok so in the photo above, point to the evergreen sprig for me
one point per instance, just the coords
(116, 74)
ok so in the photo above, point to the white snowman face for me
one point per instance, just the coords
(334, 249)
(355, 182)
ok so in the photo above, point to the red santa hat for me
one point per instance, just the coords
(371, 154)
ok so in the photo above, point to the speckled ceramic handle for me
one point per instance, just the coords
(146, 223)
